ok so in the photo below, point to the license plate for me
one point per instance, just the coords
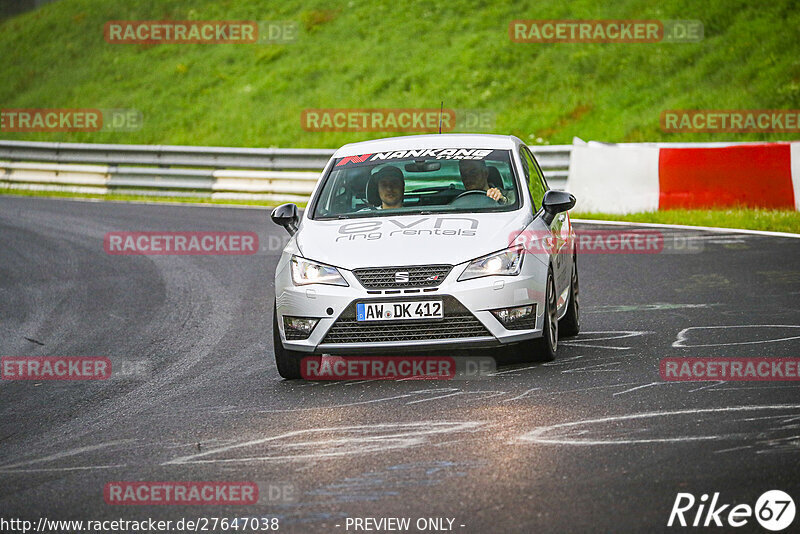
(399, 311)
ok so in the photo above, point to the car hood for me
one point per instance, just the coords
(409, 239)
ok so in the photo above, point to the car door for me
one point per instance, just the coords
(559, 228)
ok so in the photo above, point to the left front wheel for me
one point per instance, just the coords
(570, 324)
(287, 361)
(542, 349)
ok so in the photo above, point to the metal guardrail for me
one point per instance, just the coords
(219, 172)
(168, 155)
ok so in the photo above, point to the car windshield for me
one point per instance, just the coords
(418, 181)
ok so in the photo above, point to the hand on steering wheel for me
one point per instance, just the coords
(492, 193)
(495, 194)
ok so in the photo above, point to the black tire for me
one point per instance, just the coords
(570, 324)
(287, 361)
(543, 349)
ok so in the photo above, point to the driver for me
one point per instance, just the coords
(391, 187)
(475, 176)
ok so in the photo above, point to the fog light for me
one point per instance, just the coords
(518, 318)
(298, 327)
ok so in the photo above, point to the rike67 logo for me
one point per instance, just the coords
(774, 510)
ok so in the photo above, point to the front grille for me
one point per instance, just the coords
(349, 331)
(418, 276)
(458, 323)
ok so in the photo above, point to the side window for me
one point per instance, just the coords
(525, 165)
(536, 183)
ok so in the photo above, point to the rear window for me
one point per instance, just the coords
(418, 181)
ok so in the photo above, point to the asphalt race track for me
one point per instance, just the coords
(595, 441)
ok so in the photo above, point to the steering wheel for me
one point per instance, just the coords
(466, 194)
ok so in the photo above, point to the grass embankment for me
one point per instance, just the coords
(376, 54)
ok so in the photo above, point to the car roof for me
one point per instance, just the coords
(414, 142)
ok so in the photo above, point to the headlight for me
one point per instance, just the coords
(505, 263)
(310, 272)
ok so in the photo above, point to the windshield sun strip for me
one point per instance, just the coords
(318, 197)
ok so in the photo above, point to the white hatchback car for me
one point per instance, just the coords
(424, 243)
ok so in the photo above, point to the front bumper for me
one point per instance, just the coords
(468, 321)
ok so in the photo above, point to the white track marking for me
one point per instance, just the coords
(488, 394)
(360, 440)
(60, 469)
(640, 387)
(538, 435)
(594, 369)
(682, 335)
(435, 398)
(71, 452)
(708, 386)
(682, 227)
(527, 367)
(521, 395)
(604, 336)
(563, 361)
(615, 334)
(659, 306)
(358, 403)
(743, 447)
(581, 390)
(570, 344)
(765, 417)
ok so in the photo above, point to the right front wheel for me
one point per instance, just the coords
(287, 361)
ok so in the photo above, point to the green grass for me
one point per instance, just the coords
(746, 218)
(377, 53)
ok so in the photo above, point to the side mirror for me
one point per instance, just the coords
(286, 215)
(555, 202)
